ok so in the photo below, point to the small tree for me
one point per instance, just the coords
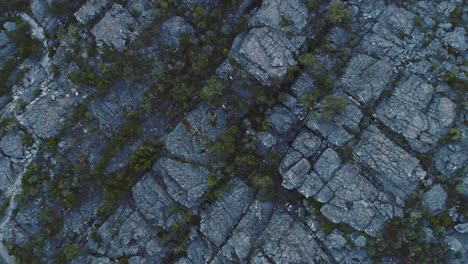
(333, 106)
(339, 13)
(213, 89)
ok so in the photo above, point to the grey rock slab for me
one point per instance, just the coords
(365, 78)
(462, 228)
(190, 138)
(282, 120)
(356, 202)
(290, 16)
(91, 10)
(206, 4)
(303, 85)
(12, 145)
(457, 39)
(243, 238)
(412, 112)
(7, 174)
(295, 176)
(435, 199)
(116, 28)
(397, 171)
(286, 240)
(46, 116)
(331, 131)
(266, 53)
(112, 110)
(153, 202)
(218, 220)
(185, 183)
(173, 30)
(307, 143)
(327, 164)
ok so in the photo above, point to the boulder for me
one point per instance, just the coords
(116, 28)
(173, 30)
(185, 183)
(435, 199)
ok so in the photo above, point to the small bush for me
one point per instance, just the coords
(333, 106)
(339, 13)
(213, 89)
(143, 158)
(454, 134)
(311, 63)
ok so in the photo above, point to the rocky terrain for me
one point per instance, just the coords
(243, 131)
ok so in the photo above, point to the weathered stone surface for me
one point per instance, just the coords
(328, 162)
(265, 141)
(173, 30)
(306, 143)
(434, 200)
(46, 116)
(12, 145)
(112, 109)
(450, 158)
(220, 218)
(303, 84)
(355, 201)
(116, 28)
(286, 240)
(413, 112)
(266, 53)
(457, 39)
(397, 172)
(334, 133)
(207, 4)
(127, 234)
(91, 10)
(295, 176)
(185, 183)
(153, 202)
(191, 137)
(366, 78)
(7, 48)
(243, 237)
(282, 120)
(7, 175)
(274, 13)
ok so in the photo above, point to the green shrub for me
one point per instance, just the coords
(26, 45)
(213, 89)
(333, 106)
(454, 134)
(339, 13)
(143, 158)
(346, 153)
(311, 63)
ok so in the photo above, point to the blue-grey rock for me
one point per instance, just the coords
(434, 200)
(116, 28)
(365, 78)
(306, 143)
(303, 85)
(295, 176)
(221, 217)
(282, 120)
(266, 53)
(190, 138)
(91, 10)
(397, 172)
(173, 30)
(185, 183)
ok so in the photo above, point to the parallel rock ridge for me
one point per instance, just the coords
(358, 107)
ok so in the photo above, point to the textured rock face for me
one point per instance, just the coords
(91, 10)
(287, 241)
(396, 170)
(7, 48)
(46, 116)
(417, 114)
(266, 53)
(190, 138)
(173, 30)
(214, 224)
(434, 199)
(366, 78)
(116, 28)
(350, 198)
(288, 16)
(186, 183)
(111, 110)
